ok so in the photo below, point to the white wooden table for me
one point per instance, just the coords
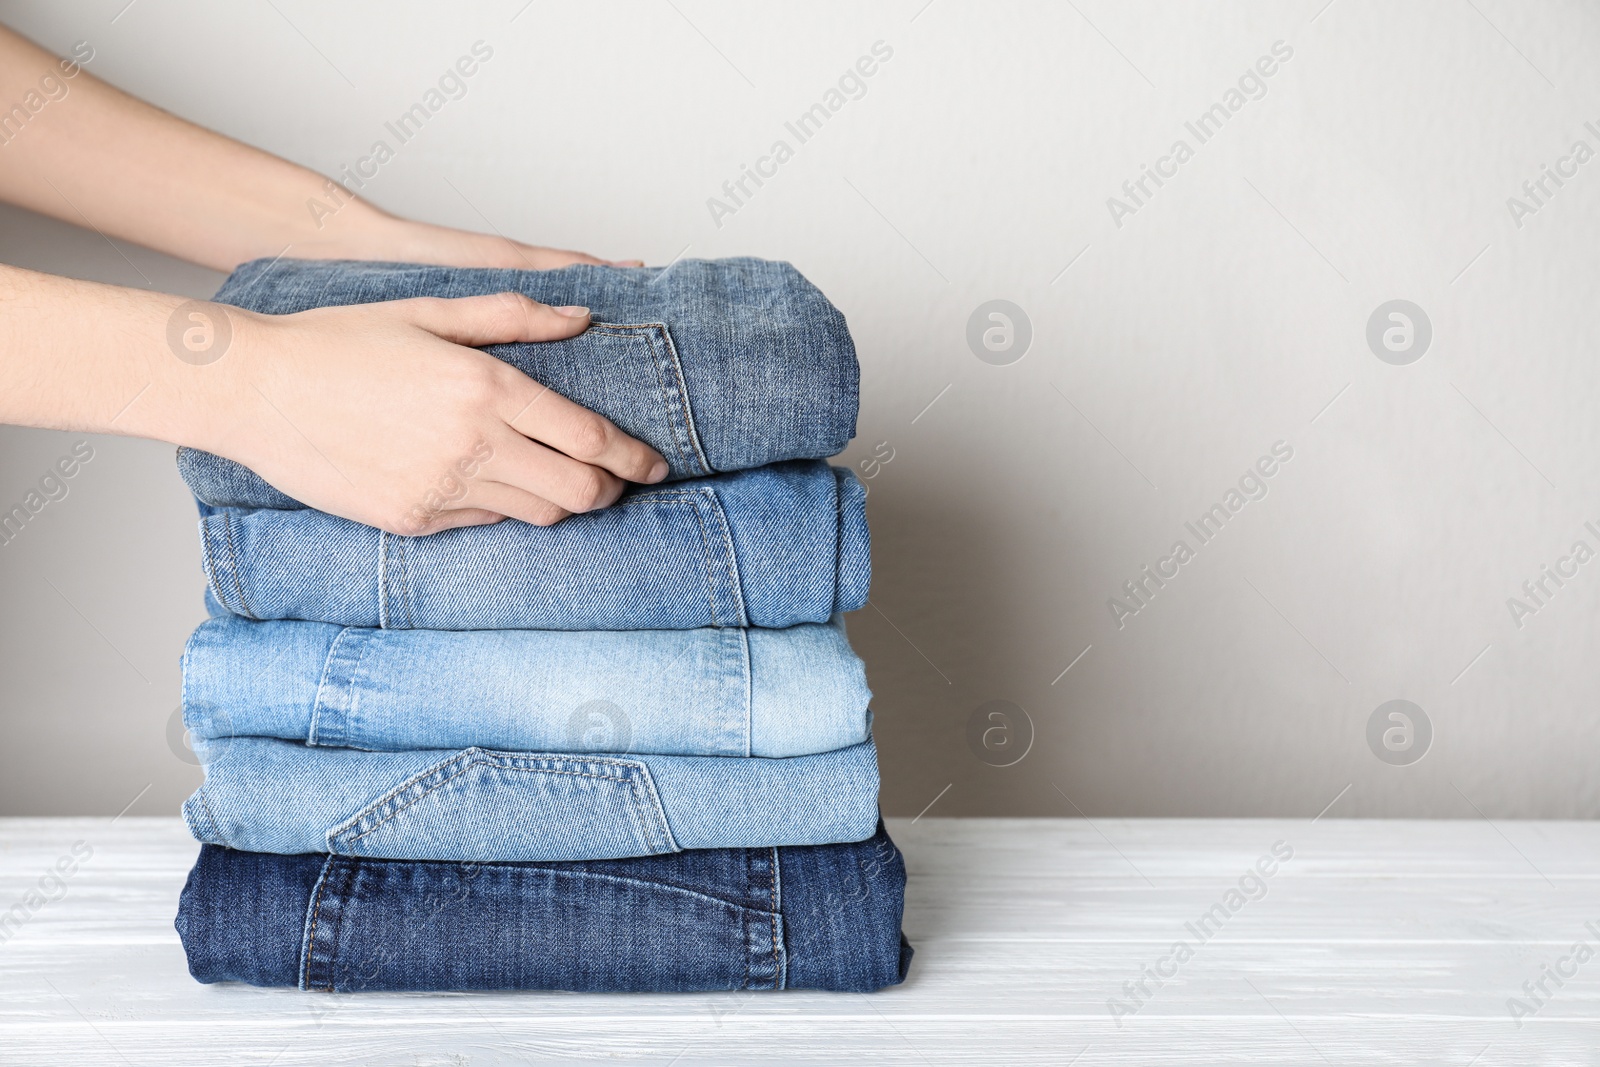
(1377, 942)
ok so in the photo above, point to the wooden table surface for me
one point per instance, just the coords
(1381, 942)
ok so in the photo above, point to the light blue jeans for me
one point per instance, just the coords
(265, 795)
(706, 692)
(776, 546)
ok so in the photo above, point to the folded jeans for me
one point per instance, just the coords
(706, 692)
(814, 917)
(720, 365)
(772, 547)
(266, 795)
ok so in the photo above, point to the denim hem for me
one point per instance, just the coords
(221, 563)
(768, 958)
(202, 824)
(735, 611)
(734, 686)
(337, 689)
(392, 576)
(323, 912)
(906, 952)
(853, 547)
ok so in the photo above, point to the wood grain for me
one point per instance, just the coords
(1381, 942)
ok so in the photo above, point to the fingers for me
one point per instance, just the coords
(547, 474)
(549, 417)
(495, 318)
(451, 520)
(552, 258)
(518, 503)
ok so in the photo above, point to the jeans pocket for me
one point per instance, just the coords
(483, 805)
(397, 926)
(629, 372)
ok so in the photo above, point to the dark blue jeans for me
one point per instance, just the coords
(720, 365)
(813, 917)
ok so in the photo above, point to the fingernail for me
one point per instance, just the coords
(573, 311)
(658, 472)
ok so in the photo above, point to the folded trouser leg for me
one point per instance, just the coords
(707, 692)
(719, 365)
(818, 917)
(265, 795)
(773, 547)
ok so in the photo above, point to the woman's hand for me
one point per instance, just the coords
(144, 175)
(367, 233)
(381, 413)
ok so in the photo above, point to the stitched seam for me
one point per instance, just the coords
(772, 887)
(652, 495)
(749, 692)
(653, 797)
(667, 393)
(311, 931)
(209, 562)
(777, 890)
(732, 557)
(645, 331)
(352, 701)
(639, 833)
(479, 752)
(213, 827)
(233, 562)
(383, 579)
(458, 773)
(403, 580)
(554, 868)
(322, 685)
(683, 397)
(711, 563)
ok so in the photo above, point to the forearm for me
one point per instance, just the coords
(94, 156)
(77, 355)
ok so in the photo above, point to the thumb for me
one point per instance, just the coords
(495, 318)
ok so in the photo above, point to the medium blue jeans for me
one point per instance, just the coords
(707, 692)
(720, 365)
(777, 546)
(266, 795)
(819, 917)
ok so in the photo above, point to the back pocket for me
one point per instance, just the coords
(483, 805)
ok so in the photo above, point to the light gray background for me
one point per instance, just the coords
(1228, 313)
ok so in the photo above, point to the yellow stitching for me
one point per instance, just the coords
(463, 770)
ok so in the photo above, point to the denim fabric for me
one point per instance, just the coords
(772, 547)
(266, 795)
(707, 692)
(719, 365)
(818, 917)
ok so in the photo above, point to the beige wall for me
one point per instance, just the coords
(1175, 340)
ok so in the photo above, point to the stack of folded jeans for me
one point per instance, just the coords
(628, 752)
